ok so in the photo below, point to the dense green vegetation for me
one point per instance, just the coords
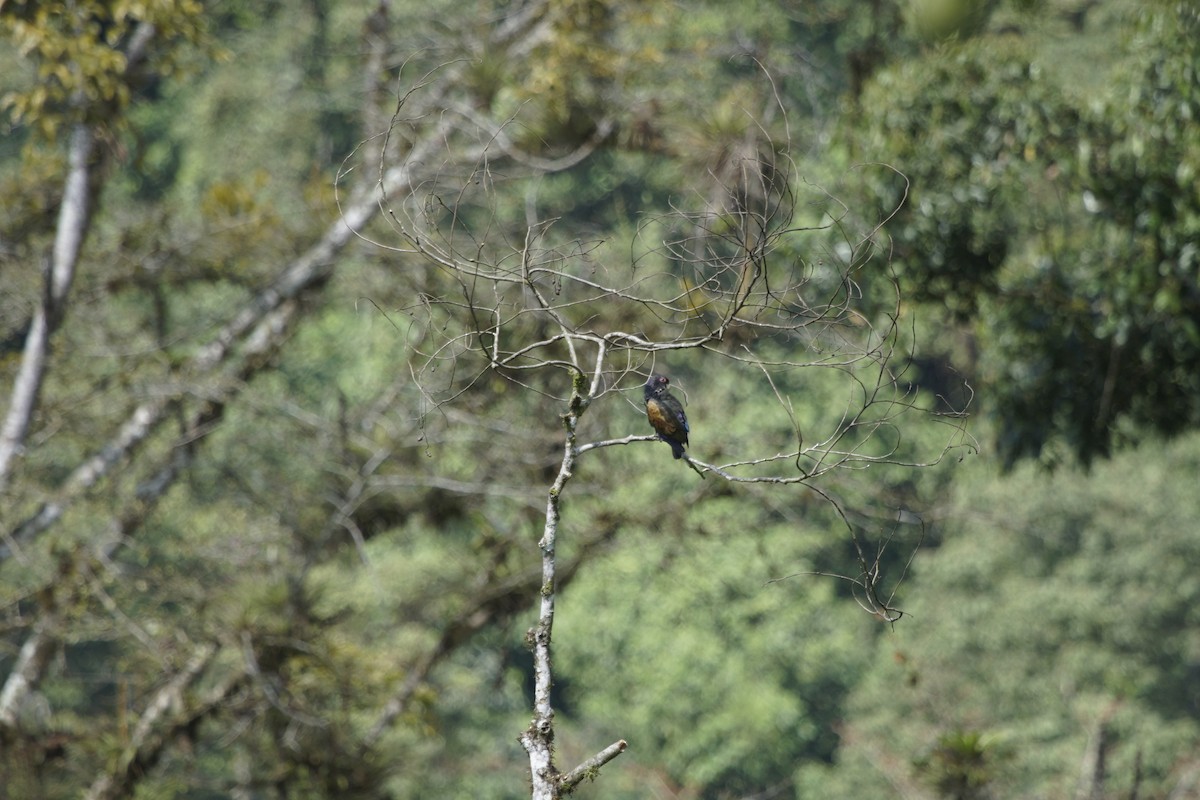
(284, 392)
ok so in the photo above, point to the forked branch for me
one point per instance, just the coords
(524, 300)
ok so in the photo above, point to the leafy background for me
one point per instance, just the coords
(1030, 172)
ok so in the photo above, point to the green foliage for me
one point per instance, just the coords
(718, 678)
(1055, 608)
(1057, 229)
(969, 131)
(77, 52)
(1115, 294)
(334, 533)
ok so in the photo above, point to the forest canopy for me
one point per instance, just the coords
(323, 335)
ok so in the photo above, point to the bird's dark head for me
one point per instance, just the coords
(656, 384)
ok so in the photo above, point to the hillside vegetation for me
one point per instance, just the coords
(323, 333)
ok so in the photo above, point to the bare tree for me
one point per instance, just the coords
(510, 294)
(581, 320)
(146, 453)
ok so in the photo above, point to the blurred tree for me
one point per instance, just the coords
(1057, 231)
(1053, 645)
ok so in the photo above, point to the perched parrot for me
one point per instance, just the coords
(666, 415)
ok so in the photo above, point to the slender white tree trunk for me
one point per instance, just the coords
(546, 781)
(73, 216)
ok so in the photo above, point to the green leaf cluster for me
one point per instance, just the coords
(77, 52)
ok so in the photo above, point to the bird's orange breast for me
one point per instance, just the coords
(661, 418)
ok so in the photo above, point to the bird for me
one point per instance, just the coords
(666, 415)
